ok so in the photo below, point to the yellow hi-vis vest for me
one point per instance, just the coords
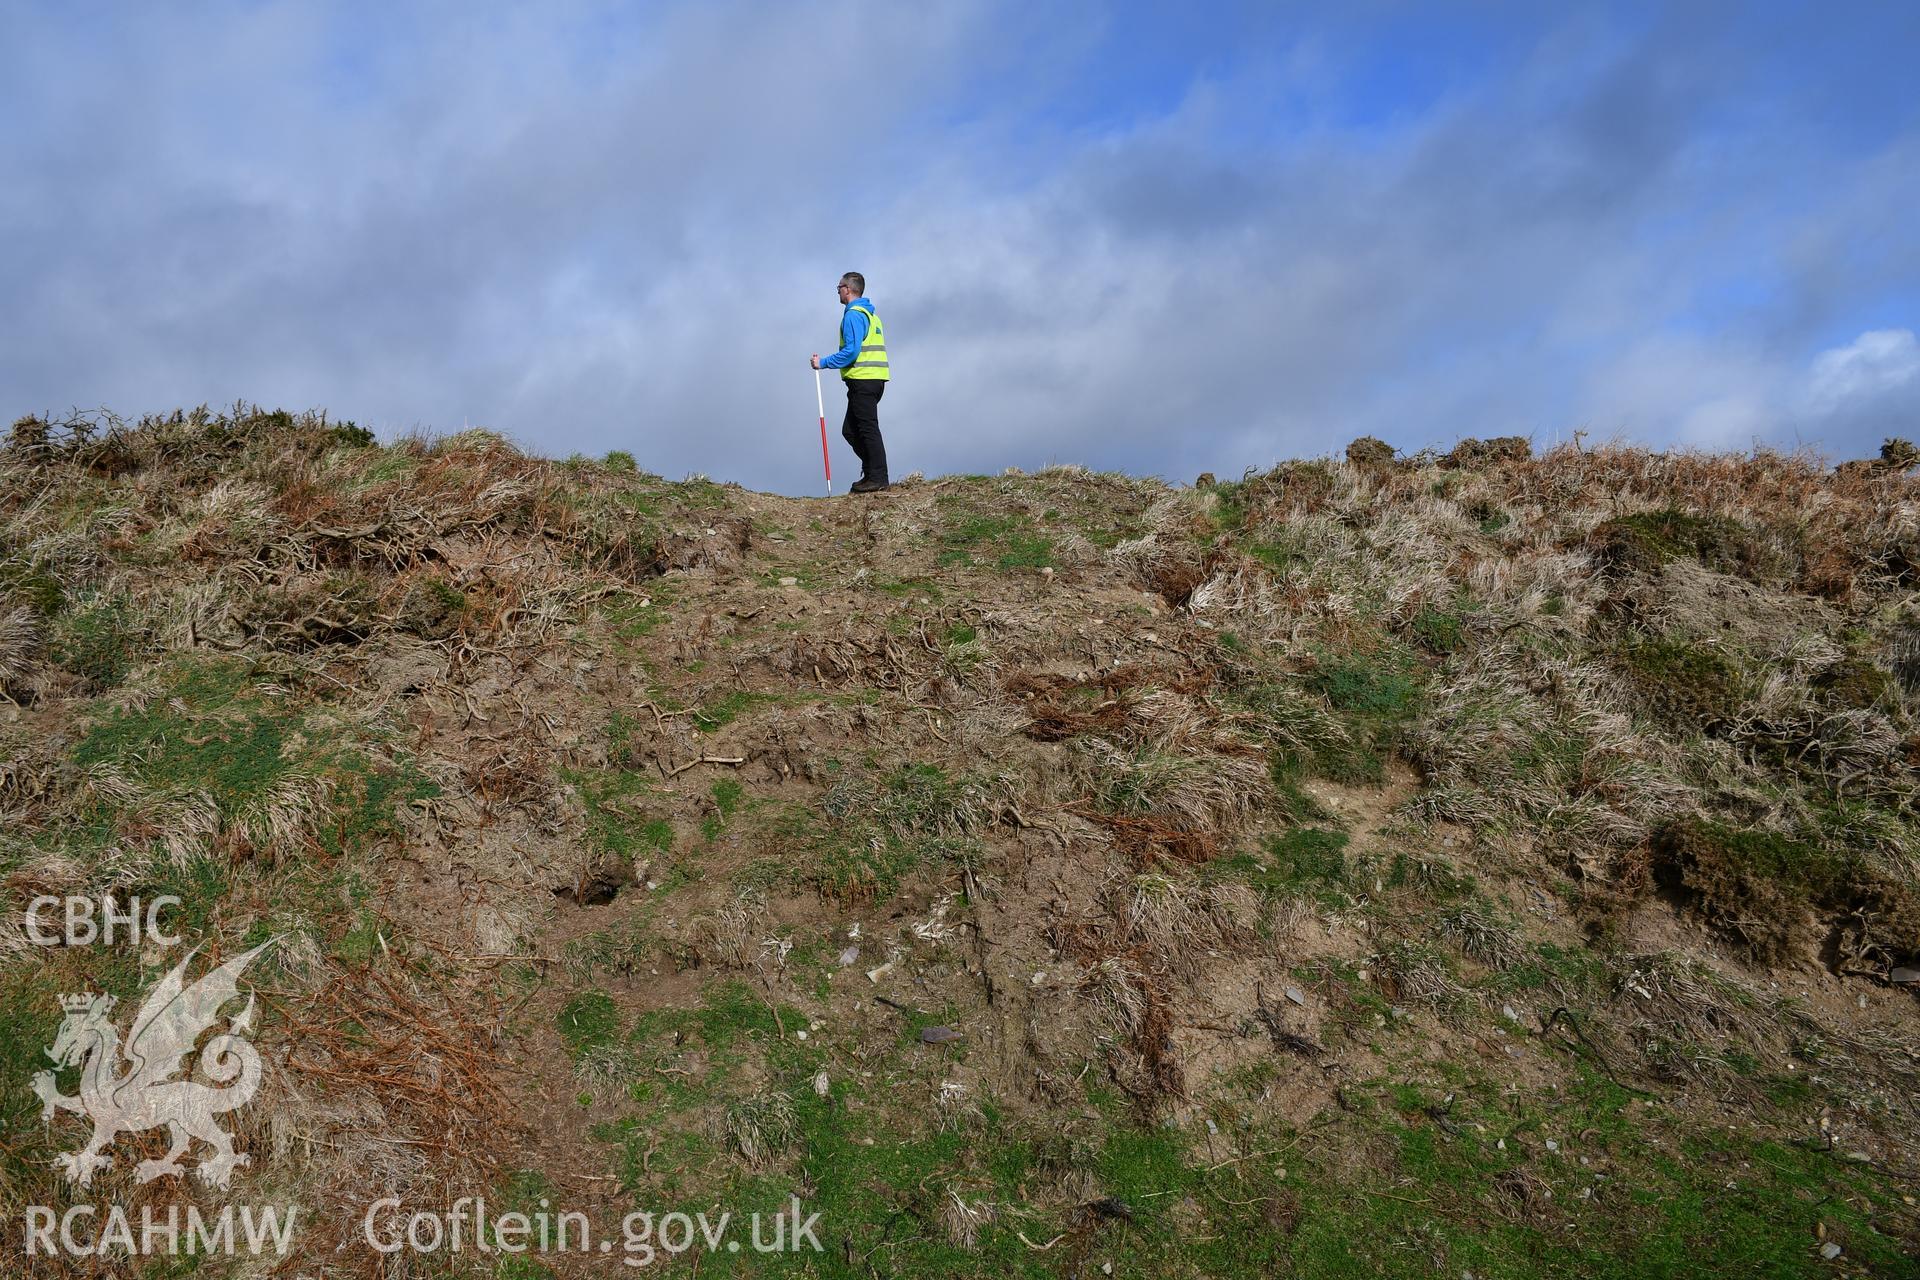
(871, 362)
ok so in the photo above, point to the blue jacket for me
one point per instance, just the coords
(853, 332)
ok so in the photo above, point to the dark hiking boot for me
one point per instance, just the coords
(864, 485)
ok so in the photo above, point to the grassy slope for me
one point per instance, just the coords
(1485, 865)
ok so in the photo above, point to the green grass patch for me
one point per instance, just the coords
(1290, 793)
(697, 493)
(1438, 631)
(1228, 512)
(1690, 687)
(727, 795)
(1566, 971)
(646, 502)
(1755, 886)
(389, 466)
(1825, 872)
(633, 616)
(730, 1024)
(1008, 542)
(1108, 533)
(853, 863)
(723, 710)
(34, 584)
(1472, 1178)
(588, 1020)
(216, 730)
(1308, 861)
(1644, 541)
(1309, 855)
(1368, 685)
(99, 641)
(1025, 551)
(1377, 693)
(1281, 552)
(30, 1017)
(200, 882)
(1853, 682)
(615, 823)
(357, 947)
(915, 588)
(871, 830)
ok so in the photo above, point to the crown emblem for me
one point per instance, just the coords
(84, 1001)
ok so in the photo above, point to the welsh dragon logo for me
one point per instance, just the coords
(143, 1093)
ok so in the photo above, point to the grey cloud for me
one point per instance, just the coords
(637, 251)
(1859, 394)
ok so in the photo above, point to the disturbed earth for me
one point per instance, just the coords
(1476, 863)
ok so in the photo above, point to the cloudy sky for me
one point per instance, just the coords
(1128, 236)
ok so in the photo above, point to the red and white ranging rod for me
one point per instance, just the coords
(826, 463)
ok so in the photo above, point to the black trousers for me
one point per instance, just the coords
(861, 429)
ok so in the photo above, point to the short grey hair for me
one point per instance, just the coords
(858, 281)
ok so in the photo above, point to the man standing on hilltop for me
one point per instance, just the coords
(862, 358)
